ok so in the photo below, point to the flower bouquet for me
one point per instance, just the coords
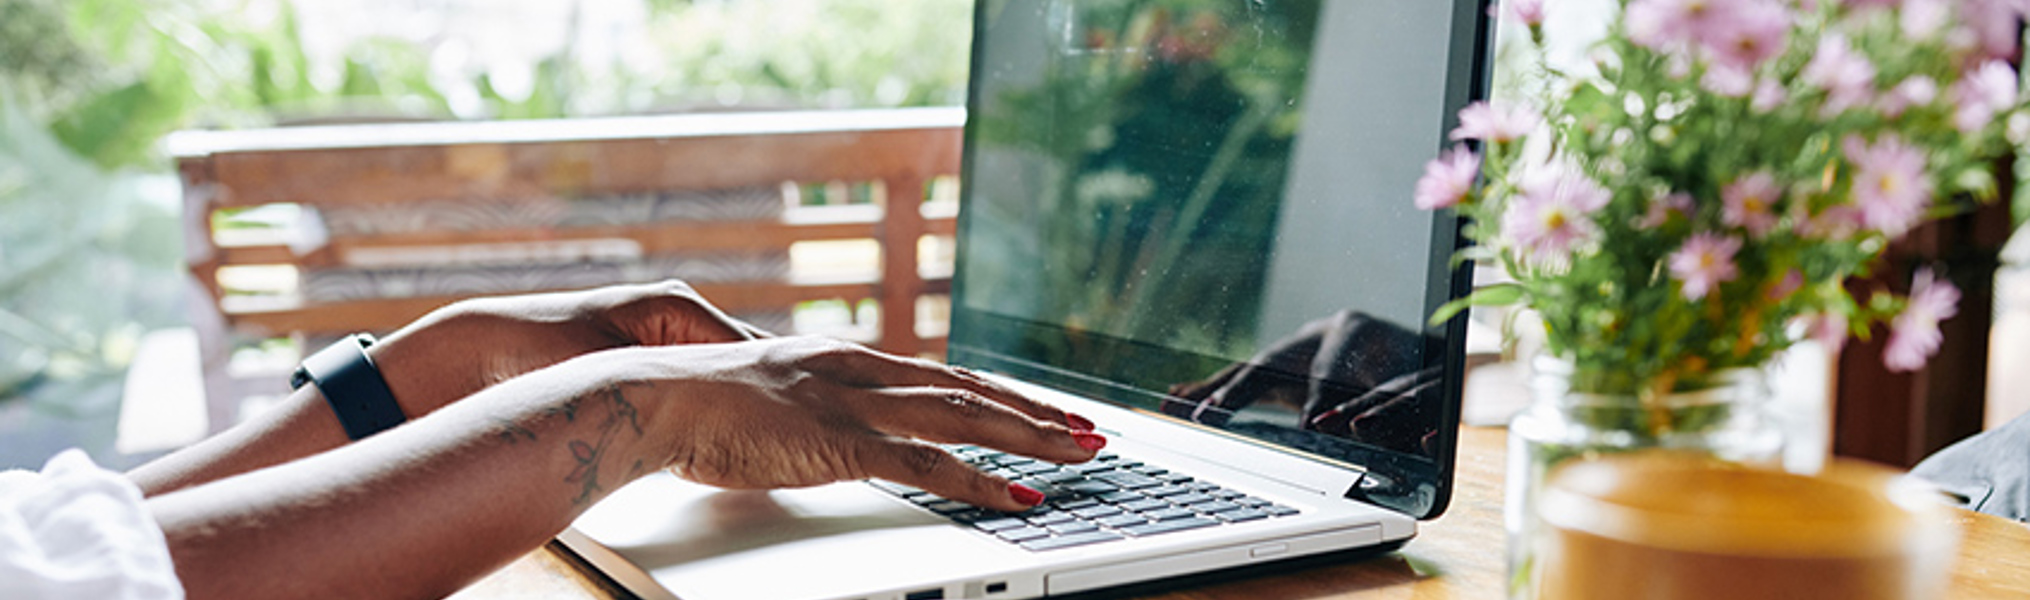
(1695, 206)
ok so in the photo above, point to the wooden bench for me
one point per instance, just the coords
(536, 175)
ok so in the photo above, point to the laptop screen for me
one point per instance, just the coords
(1201, 209)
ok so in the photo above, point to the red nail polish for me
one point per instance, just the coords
(1025, 495)
(1089, 441)
(1078, 423)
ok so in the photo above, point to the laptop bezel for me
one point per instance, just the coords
(1468, 78)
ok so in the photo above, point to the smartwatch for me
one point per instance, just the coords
(352, 385)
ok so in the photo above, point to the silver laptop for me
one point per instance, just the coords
(1190, 221)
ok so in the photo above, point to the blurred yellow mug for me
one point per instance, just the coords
(1669, 525)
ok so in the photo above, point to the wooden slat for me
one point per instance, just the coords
(381, 315)
(522, 170)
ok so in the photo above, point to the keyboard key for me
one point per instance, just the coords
(1120, 496)
(1071, 527)
(1214, 506)
(1127, 480)
(1278, 510)
(922, 498)
(1123, 520)
(948, 507)
(1067, 541)
(1151, 470)
(1060, 476)
(1169, 526)
(1241, 514)
(1090, 488)
(1170, 514)
(1049, 518)
(1144, 505)
(1251, 502)
(1226, 494)
(1003, 523)
(1021, 534)
(1094, 512)
(1191, 498)
(1165, 490)
(1174, 478)
(976, 515)
(1076, 504)
(1033, 468)
(1204, 486)
(1088, 468)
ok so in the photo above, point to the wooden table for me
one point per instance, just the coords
(1458, 556)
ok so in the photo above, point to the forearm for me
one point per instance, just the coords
(419, 510)
(428, 364)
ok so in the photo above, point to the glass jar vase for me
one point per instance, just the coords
(1724, 415)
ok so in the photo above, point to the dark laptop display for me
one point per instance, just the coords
(1201, 209)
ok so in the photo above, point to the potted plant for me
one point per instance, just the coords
(1695, 206)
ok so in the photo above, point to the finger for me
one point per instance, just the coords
(955, 416)
(858, 365)
(938, 472)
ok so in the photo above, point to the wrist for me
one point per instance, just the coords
(644, 377)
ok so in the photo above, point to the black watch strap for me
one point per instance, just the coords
(352, 385)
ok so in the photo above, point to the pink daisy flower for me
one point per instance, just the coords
(1667, 25)
(1447, 179)
(1891, 188)
(1990, 89)
(1704, 262)
(1750, 203)
(1847, 77)
(1917, 90)
(1914, 335)
(1552, 217)
(1527, 12)
(1922, 18)
(1745, 33)
(1484, 121)
(1991, 25)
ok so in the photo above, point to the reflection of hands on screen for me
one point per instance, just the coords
(1348, 375)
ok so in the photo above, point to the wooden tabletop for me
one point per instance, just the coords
(1457, 556)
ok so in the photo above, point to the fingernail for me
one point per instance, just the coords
(1078, 423)
(1025, 495)
(1089, 441)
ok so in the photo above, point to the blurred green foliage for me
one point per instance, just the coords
(89, 240)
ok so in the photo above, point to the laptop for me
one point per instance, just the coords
(1189, 221)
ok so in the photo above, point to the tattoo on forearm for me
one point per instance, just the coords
(589, 455)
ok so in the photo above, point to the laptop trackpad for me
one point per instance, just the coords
(703, 542)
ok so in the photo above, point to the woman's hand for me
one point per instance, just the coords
(795, 412)
(468, 346)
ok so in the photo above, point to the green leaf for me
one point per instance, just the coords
(1493, 295)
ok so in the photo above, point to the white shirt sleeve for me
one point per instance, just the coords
(79, 531)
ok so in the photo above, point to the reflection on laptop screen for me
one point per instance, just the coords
(1201, 208)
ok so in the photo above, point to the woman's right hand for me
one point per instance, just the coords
(803, 411)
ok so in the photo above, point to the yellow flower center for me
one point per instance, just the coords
(1888, 183)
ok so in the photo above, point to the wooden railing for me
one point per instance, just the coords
(895, 153)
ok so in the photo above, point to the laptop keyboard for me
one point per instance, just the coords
(1109, 498)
